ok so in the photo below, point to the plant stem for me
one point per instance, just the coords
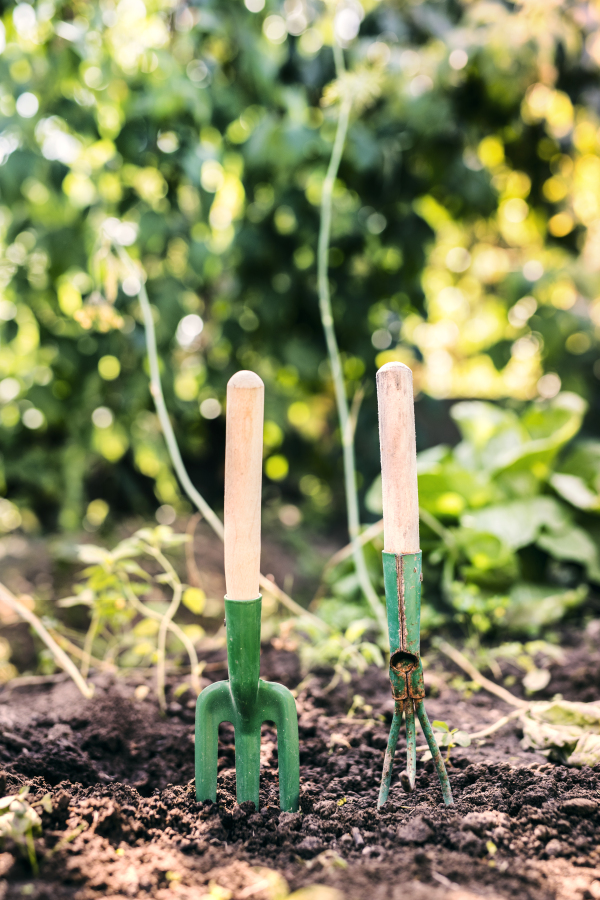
(59, 655)
(166, 621)
(346, 424)
(66, 644)
(436, 526)
(89, 643)
(177, 631)
(162, 640)
(271, 588)
(193, 573)
(161, 407)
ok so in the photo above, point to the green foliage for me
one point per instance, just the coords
(465, 243)
(465, 194)
(447, 737)
(346, 651)
(130, 617)
(505, 551)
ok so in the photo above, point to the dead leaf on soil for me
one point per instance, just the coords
(239, 881)
(572, 729)
(338, 739)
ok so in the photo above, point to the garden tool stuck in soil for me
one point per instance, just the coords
(245, 700)
(402, 573)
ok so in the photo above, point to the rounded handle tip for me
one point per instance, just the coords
(245, 379)
(388, 367)
(394, 372)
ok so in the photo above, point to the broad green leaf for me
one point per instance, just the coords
(441, 726)
(575, 545)
(164, 578)
(479, 422)
(583, 462)
(84, 598)
(356, 630)
(519, 523)
(534, 606)
(575, 490)
(563, 421)
(133, 568)
(89, 553)
(429, 460)
(346, 586)
(146, 628)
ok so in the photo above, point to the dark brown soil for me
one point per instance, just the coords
(125, 822)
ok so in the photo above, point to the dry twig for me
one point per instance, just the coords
(461, 660)
(193, 572)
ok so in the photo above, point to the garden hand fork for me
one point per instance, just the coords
(402, 572)
(245, 700)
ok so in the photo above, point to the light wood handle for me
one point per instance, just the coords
(243, 483)
(398, 458)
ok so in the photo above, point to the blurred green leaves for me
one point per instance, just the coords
(503, 551)
(465, 244)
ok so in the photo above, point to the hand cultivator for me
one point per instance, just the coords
(402, 572)
(245, 700)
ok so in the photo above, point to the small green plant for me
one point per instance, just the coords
(130, 616)
(447, 737)
(20, 821)
(346, 651)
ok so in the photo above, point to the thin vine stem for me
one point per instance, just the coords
(176, 630)
(89, 644)
(162, 643)
(161, 407)
(165, 622)
(345, 419)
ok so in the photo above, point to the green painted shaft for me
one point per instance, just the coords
(402, 580)
(246, 702)
(242, 623)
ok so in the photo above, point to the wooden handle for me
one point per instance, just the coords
(398, 458)
(243, 483)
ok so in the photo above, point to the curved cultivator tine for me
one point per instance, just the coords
(247, 702)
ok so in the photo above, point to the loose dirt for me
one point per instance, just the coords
(125, 823)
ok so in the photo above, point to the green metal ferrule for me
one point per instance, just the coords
(242, 624)
(246, 701)
(402, 576)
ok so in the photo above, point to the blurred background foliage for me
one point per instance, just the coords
(465, 243)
